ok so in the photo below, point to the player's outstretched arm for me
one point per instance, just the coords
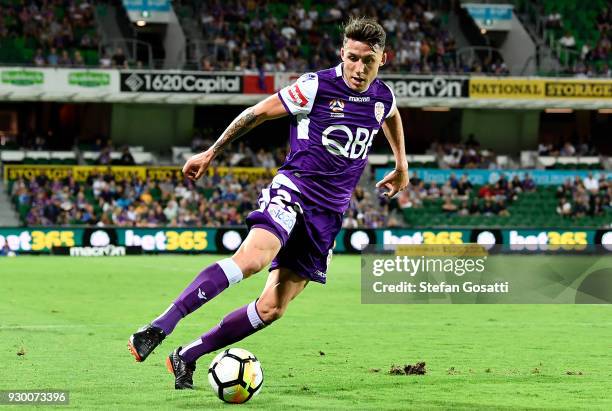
(267, 109)
(397, 180)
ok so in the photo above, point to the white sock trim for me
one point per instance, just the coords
(171, 306)
(256, 322)
(190, 346)
(231, 270)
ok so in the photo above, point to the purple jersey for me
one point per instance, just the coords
(331, 134)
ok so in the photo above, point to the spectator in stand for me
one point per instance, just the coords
(577, 200)
(554, 20)
(454, 182)
(106, 61)
(205, 64)
(516, 183)
(581, 208)
(64, 60)
(544, 149)
(528, 184)
(39, 58)
(485, 191)
(119, 60)
(433, 192)
(565, 189)
(448, 206)
(474, 207)
(489, 207)
(127, 159)
(415, 178)
(598, 208)
(350, 221)
(464, 188)
(447, 190)
(105, 157)
(568, 41)
(78, 60)
(501, 208)
(591, 184)
(568, 149)
(53, 58)
(604, 19)
(464, 209)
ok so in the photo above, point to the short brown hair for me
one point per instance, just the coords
(367, 30)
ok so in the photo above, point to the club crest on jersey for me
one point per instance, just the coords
(337, 108)
(379, 111)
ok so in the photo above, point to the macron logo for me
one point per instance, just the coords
(201, 294)
(359, 99)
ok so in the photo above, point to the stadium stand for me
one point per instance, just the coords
(284, 36)
(104, 200)
(106, 156)
(581, 35)
(54, 34)
(219, 200)
(306, 36)
(512, 203)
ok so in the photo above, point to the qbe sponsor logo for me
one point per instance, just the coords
(428, 87)
(139, 82)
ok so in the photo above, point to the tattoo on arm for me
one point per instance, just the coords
(239, 127)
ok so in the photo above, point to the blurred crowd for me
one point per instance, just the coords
(369, 209)
(103, 200)
(226, 200)
(584, 197)
(301, 39)
(458, 196)
(463, 155)
(593, 57)
(567, 149)
(241, 155)
(59, 30)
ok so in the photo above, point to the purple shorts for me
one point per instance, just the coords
(306, 231)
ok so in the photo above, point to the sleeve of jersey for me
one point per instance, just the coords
(299, 97)
(393, 104)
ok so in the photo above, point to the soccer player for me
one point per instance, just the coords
(336, 113)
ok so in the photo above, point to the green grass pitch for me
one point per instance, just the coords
(70, 318)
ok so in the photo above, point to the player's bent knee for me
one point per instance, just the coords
(251, 263)
(253, 260)
(257, 251)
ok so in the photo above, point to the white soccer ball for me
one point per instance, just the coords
(235, 375)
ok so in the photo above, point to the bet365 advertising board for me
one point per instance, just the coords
(226, 240)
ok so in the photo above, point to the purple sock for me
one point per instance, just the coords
(207, 285)
(234, 327)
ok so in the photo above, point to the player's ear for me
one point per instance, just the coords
(342, 53)
(384, 59)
